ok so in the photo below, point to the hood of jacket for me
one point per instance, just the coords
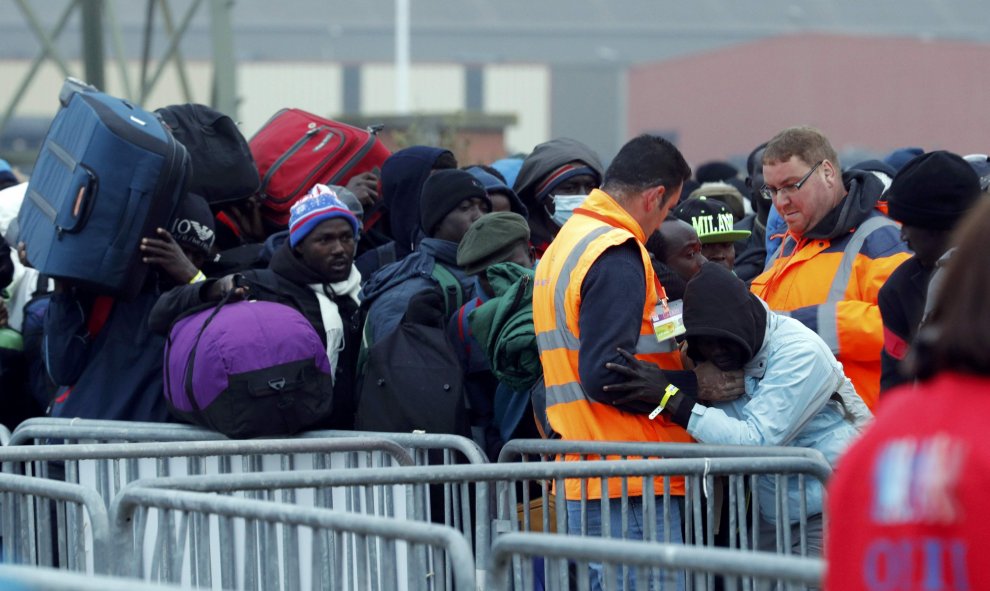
(286, 263)
(504, 327)
(419, 263)
(546, 158)
(718, 304)
(493, 183)
(864, 191)
(403, 176)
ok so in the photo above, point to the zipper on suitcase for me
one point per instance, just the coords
(354, 160)
(288, 154)
(307, 182)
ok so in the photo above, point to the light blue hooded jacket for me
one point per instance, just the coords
(789, 401)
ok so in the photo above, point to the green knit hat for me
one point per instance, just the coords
(490, 240)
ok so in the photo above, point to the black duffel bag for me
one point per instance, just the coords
(223, 168)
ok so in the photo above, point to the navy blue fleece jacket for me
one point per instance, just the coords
(612, 298)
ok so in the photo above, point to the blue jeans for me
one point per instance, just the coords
(633, 531)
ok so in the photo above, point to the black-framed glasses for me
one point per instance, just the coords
(769, 192)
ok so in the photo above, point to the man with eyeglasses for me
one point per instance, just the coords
(839, 249)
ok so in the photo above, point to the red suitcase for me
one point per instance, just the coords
(295, 150)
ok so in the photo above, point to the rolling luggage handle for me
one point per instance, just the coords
(81, 207)
(83, 203)
(73, 86)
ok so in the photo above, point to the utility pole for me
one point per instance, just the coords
(224, 91)
(402, 57)
(92, 41)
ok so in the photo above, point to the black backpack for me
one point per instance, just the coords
(39, 385)
(413, 379)
(223, 168)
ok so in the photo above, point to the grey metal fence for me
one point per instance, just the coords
(426, 448)
(107, 467)
(222, 542)
(432, 448)
(748, 502)
(505, 511)
(22, 578)
(103, 469)
(527, 450)
(642, 565)
(43, 430)
(54, 524)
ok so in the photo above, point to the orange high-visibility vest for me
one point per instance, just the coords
(600, 223)
(832, 287)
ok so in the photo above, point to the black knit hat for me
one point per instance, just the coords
(444, 191)
(718, 304)
(715, 171)
(933, 191)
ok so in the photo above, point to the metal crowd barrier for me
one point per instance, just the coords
(42, 430)
(649, 561)
(103, 469)
(425, 447)
(705, 497)
(108, 467)
(499, 513)
(22, 578)
(548, 449)
(223, 542)
(54, 524)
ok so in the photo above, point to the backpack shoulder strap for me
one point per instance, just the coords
(41, 285)
(451, 287)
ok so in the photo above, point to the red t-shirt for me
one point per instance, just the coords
(909, 505)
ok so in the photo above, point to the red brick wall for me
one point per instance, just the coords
(873, 93)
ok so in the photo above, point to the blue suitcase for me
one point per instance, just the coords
(107, 175)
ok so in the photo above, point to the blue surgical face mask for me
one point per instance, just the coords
(564, 206)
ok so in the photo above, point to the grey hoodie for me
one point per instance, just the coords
(546, 158)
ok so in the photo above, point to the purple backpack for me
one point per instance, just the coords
(248, 369)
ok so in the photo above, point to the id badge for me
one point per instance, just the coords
(668, 320)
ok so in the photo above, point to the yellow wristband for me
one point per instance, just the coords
(199, 277)
(669, 391)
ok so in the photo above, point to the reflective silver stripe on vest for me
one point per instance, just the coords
(828, 327)
(841, 280)
(646, 343)
(561, 337)
(564, 393)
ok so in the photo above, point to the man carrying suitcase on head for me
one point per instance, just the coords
(100, 351)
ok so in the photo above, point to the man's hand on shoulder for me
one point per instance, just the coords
(645, 382)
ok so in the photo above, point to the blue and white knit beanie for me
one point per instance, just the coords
(319, 205)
